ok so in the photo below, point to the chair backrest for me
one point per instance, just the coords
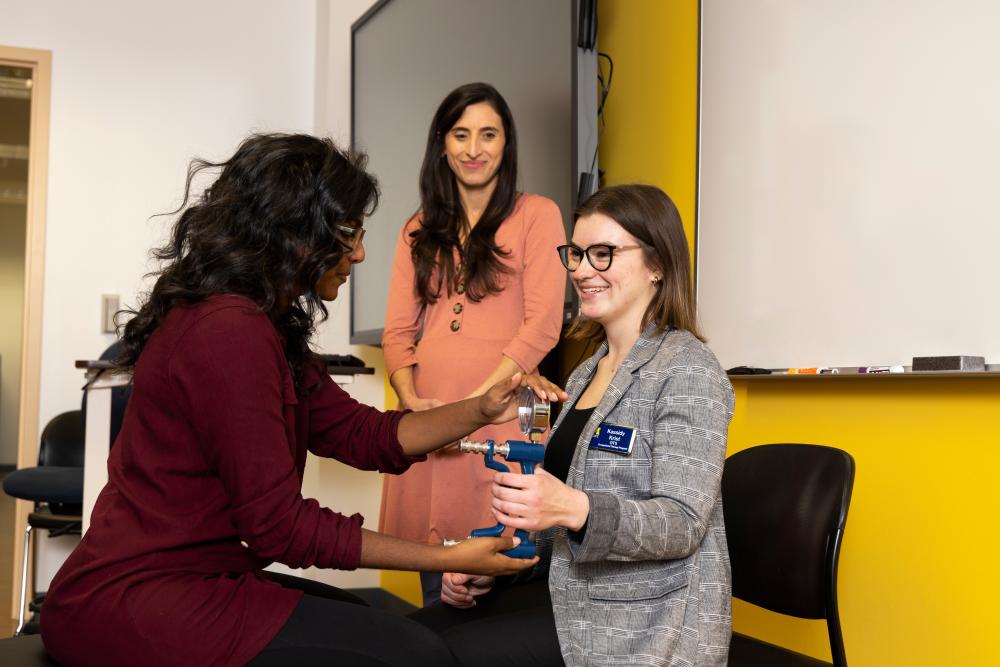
(785, 508)
(62, 439)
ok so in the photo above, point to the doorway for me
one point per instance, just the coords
(24, 121)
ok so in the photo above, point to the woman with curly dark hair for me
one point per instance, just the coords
(205, 479)
(476, 296)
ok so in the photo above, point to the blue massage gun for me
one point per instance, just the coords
(515, 451)
(533, 418)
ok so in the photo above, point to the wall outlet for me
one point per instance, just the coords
(109, 306)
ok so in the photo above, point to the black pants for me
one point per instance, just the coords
(430, 587)
(333, 627)
(508, 627)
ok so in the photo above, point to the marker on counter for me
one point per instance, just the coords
(819, 370)
(881, 369)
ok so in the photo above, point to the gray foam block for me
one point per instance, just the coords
(956, 363)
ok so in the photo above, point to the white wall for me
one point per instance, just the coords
(138, 89)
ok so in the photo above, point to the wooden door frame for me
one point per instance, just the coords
(40, 62)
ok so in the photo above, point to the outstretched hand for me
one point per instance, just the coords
(499, 403)
(481, 555)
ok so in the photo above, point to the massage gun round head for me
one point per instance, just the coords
(532, 414)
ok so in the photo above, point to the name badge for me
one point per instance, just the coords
(613, 438)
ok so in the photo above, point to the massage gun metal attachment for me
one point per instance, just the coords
(533, 418)
(470, 447)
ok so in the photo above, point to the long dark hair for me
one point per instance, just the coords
(647, 213)
(443, 216)
(264, 230)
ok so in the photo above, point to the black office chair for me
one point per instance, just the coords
(785, 508)
(56, 484)
(56, 488)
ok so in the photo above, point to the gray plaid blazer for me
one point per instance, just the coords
(648, 582)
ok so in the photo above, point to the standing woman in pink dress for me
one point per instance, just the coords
(476, 296)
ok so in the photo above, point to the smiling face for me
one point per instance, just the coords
(620, 295)
(329, 283)
(474, 146)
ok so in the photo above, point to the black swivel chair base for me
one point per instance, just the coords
(26, 651)
(749, 652)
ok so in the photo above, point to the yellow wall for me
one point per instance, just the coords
(404, 585)
(652, 112)
(917, 580)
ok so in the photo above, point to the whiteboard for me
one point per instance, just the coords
(849, 181)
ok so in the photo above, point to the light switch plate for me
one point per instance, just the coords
(109, 306)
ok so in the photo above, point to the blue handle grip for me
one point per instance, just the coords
(526, 549)
(528, 454)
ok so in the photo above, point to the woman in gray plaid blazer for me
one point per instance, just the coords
(632, 541)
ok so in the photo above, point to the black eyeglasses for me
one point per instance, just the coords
(349, 236)
(599, 255)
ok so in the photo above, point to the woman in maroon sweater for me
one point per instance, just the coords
(205, 478)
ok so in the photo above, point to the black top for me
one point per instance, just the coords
(562, 444)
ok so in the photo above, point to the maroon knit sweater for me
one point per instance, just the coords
(204, 490)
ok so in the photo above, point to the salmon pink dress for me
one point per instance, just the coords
(447, 495)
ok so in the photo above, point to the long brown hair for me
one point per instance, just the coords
(648, 214)
(443, 216)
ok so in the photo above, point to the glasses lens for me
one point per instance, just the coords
(570, 256)
(350, 236)
(600, 256)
